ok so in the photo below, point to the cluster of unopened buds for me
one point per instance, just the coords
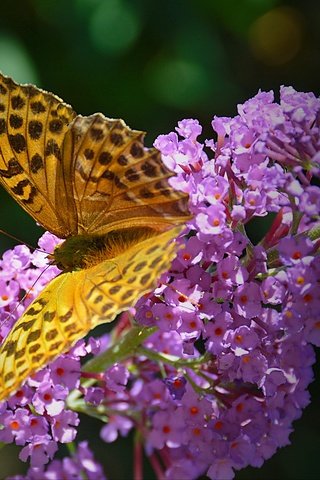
(212, 368)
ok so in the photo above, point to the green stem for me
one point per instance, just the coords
(126, 347)
(196, 388)
(314, 233)
(297, 216)
(81, 406)
(172, 359)
(71, 447)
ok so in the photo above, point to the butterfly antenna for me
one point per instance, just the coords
(16, 239)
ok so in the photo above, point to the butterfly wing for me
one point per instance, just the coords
(75, 302)
(78, 175)
(114, 181)
(33, 124)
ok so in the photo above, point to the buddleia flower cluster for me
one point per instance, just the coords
(213, 367)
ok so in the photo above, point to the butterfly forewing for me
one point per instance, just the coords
(116, 181)
(33, 124)
(75, 302)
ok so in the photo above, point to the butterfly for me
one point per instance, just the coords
(88, 180)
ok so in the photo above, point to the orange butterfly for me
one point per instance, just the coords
(91, 181)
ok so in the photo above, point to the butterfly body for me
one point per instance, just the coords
(90, 181)
(84, 251)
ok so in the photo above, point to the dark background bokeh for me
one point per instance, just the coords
(153, 63)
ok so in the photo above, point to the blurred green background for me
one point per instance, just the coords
(152, 64)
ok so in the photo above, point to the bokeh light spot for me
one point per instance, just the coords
(276, 37)
(178, 82)
(15, 61)
(114, 26)
(237, 15)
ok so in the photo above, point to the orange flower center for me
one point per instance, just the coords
(14, 425)
(218, 425)
(177, 383)
(239, 407)
(194, 410)
(243, 298)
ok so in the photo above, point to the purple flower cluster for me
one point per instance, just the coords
(77, 467)
(219, 382)
(36, 417)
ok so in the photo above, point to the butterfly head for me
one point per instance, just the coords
(72, 253)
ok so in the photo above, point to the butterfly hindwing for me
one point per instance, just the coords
(75, 302)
